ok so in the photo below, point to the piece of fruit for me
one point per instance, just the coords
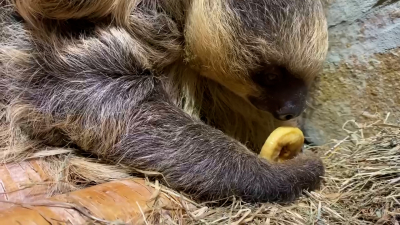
(283, 143)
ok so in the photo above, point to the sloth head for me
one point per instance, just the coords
(266, 51)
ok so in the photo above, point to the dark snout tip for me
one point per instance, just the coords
(286, 117)
(288, 113)
(285, 111)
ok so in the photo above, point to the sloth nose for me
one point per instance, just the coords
(289, 112)
(286, 117)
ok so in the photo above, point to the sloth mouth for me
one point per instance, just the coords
(258, 103)
(261, 104)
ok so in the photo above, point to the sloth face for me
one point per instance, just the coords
(281, 93)
(266, 51)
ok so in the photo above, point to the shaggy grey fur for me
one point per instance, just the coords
(101, 89)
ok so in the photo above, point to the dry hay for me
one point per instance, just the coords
(362, 183)
(362, 186)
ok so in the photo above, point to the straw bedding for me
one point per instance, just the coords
(362, 186)
(362, 182)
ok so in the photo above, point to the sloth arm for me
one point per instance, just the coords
(101, 97)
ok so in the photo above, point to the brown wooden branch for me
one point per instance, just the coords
(129, 201)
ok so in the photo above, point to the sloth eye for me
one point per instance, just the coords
(271, 79)
(268, 76)
(272, 76)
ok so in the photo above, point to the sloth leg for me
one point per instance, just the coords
(99, 94)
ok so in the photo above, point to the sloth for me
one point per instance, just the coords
(187, 88)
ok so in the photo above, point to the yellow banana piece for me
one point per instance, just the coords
(283, 143)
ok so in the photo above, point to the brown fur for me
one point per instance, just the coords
(34, 11)
(151, 84)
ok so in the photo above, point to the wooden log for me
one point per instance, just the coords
(128, 201)
(17, 182)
